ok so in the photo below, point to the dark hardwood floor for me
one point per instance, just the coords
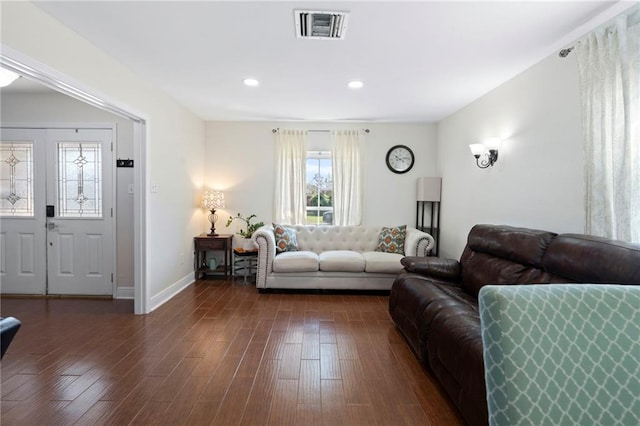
(218, 353)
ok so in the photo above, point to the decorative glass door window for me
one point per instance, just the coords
(16, 179)
(79, 179)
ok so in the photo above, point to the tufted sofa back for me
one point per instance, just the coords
(322, 238)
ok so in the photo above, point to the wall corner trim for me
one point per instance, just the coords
(168, 293)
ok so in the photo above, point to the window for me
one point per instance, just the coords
(318, 177)
(16, 179)
(79, 179)
(319, 188)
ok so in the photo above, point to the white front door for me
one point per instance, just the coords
(78, 227)
(22, 212)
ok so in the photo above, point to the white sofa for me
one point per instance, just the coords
(333, 257)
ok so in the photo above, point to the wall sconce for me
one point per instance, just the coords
(488, 151)
(212, 201)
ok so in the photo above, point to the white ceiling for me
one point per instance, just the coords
(419, 61)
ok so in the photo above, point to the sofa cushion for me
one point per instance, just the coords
(585, 258)
(519, 245)
(455, 356)
(341, 261)
(319, 239)
(285, 238)
(391, 240)
(296, 261)
(375, 261)
(479, 269)
(441, 323)
(504, 255)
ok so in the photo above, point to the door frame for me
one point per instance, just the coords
(22, 64)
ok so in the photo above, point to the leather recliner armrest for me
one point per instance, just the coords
(446, 269)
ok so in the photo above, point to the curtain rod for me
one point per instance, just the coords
(276, 130)
(565, 52)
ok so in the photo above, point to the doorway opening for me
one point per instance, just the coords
(35, 71)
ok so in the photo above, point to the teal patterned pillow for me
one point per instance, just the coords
(285, 238)
(391, 240)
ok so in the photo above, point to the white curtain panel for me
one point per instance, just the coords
(289, 202)
(608, 62)
(348, 161)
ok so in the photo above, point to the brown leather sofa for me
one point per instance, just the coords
(8, 328)
(434, 304)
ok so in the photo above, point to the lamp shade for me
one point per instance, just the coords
(212, 199)
(493, 143)
(429, 189)
(477, 148)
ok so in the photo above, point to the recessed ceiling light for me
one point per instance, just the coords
(250, 82)
(356, 84)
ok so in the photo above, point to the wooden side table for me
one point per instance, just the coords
(245, 263)
(202, 244)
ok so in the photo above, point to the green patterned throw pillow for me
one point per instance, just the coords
(285, 238)
(391, 240)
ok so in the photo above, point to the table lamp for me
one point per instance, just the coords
(213, 200)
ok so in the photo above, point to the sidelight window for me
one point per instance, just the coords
(16, 179)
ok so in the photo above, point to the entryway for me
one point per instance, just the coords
(56, 211)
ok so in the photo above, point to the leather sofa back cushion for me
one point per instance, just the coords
(584, 258)
(520, 245)
(507, 255)
(479, 269)
(504, 255)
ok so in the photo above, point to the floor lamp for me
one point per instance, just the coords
(429, 191)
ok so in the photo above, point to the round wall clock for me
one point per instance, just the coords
(400, 159)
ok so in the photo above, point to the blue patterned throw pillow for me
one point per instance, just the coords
(391, 240)
(285, 238)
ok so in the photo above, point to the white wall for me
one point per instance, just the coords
(174, 138)
(240, 161)
(538, 179)
(55, 108)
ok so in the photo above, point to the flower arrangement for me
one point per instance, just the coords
(251, 227)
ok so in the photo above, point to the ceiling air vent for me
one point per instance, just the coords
(321, 24)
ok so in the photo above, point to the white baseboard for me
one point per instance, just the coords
(125, 292)
(165, 295)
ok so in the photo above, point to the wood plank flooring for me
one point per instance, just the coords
(219, 353)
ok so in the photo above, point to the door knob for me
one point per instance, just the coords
(51, 226)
